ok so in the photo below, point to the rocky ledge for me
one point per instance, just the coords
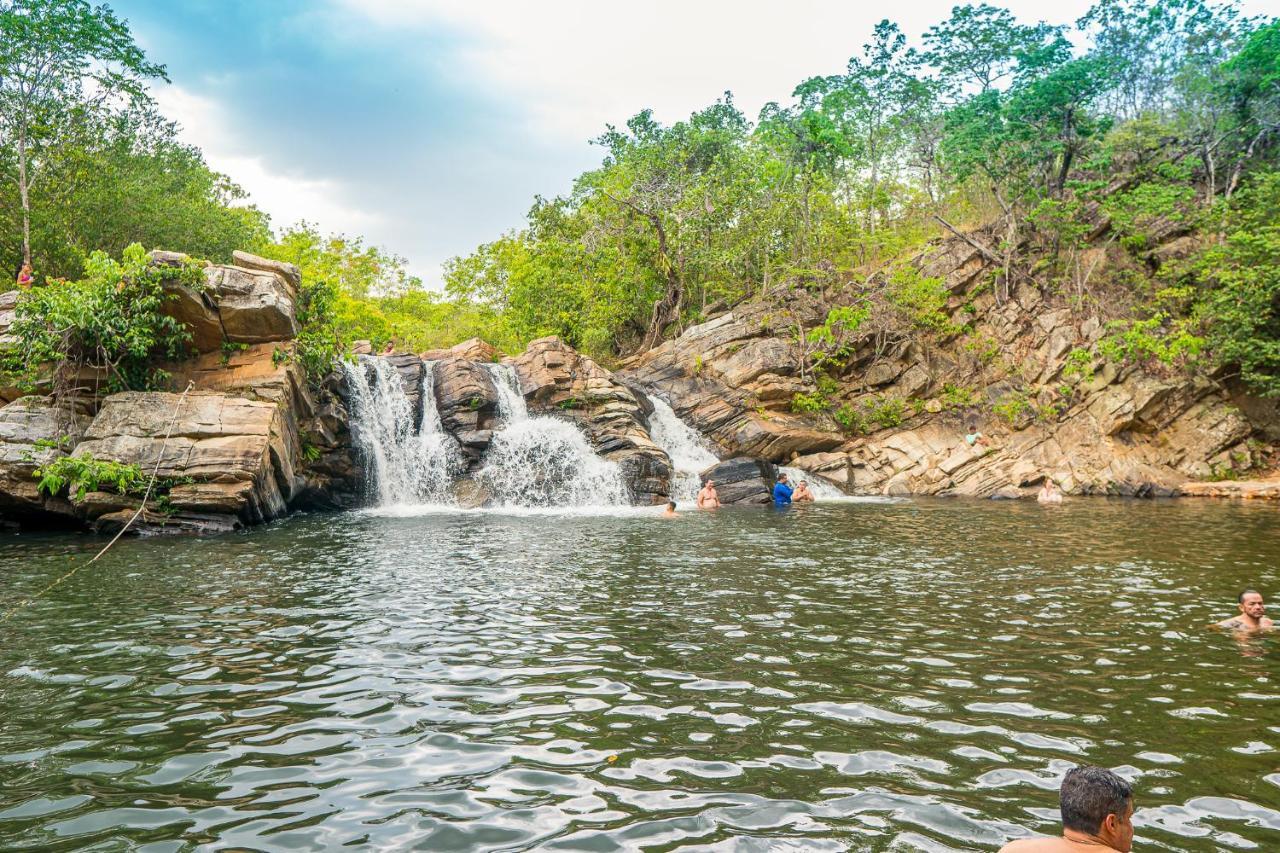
(234, 452)
(1096, 428)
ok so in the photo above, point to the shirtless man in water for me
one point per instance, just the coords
(1097, 816)
(708, 498)
(802, 493)
(1252, 614)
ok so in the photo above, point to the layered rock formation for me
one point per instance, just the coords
(1095, 428)
(247, 442)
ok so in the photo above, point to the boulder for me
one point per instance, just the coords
(290, 273)
(471, 494)
(411, 371)
(468, 403)
(237, 452)
(34, 431)
(197, 312)
(256, 306)
(743, 480)
(556, 379)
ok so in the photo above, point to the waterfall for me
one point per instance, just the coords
(543, 461)
(511, 404)
(688, 450)
(409, 457)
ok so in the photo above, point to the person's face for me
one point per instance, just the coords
(1251, 606)
(711, 484)
(1117, 831)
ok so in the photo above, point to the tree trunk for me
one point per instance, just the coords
(666, 310)
(25, 195)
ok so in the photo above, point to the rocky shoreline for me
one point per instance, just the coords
(254, 439)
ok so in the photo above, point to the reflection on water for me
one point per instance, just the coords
(912, 675)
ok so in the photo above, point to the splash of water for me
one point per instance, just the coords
(408, 456)
(688, 450)
(546, 462)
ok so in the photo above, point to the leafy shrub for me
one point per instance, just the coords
(922, 299)
(1012, 407)
(78, 475)
(1156, 338)
(959, 397)
(850, 419)
(808, 403)
(111, 320)
(888, 412)
(1078, 366)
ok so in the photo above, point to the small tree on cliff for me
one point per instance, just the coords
(61, 61)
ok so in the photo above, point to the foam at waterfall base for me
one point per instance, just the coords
(546, 462)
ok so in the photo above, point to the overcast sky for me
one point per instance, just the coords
(428, 126)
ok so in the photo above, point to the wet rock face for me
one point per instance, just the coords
(743, 480)
(468, 404)
(557, 380)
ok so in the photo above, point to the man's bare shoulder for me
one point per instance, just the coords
(1039, 845)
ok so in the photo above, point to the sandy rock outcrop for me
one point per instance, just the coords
(34, 431)
(250, 441)
(255, 306)
(472, 349)
(556, 379)
(1102, 428)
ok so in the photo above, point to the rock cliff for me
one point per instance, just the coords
(1022, 370)
(249, 441)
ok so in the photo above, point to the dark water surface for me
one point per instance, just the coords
(908, 676)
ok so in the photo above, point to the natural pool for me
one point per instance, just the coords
(855, 676)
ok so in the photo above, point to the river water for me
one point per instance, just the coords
(912, 675)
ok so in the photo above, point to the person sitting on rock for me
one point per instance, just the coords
(670, 511)
(25, 278)
(1252, 616)
(974, 438)
(802, 493)
(782, 491)
(708, 497)
(1049, 493)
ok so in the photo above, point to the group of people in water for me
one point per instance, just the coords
(782, 494)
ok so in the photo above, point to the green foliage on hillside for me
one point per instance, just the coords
(110, 322)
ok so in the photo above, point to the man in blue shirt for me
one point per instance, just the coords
(782, 491)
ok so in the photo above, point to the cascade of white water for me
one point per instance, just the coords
(511, 404)
(543, 461)
(688, 450)
(406, 463)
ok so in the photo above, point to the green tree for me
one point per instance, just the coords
(60, 61)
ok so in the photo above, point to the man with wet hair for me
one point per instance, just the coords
(1253, 614)
(1097, 816)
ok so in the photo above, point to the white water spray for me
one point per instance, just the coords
(688, 450)
(544, 461)
(511, 405)
(410, 459)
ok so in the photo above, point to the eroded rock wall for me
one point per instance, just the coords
(1104, 429)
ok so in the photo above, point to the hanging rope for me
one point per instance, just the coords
(146, 495)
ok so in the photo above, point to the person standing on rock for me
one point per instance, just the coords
(708, 497)
(782, 491)
(25, 278)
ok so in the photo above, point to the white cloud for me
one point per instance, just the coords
(579, 64)
(287, 197)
